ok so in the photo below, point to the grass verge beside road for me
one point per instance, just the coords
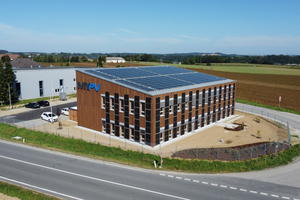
(22, 193)
(139, 159)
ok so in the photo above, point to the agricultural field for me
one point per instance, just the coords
(93, 64)
(264, 88)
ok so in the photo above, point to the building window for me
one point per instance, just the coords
(113, 129)
(122, 105)
(161, 111)
(122, 131)
(186, 105)
(74, 79)
(74, 88)
(103, 102)
(143, 136)
(131, 107)
(41, 88)
(132, 133)
(178, 107)
(103, 126)
(143, 109)
(170, 133)
(170, 109)
(185, 128)
(112, 103)
(161, 136)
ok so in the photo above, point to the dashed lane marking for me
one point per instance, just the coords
(274, 195)
(233, 188)
(213, 184)
(244, 190)
(223, 186)
(204, 182)
(253, 191)
(187, 179)
(262, 193)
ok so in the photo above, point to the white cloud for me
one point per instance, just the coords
(270, 41)
(158, 40)
(196, 38)
(128, 31)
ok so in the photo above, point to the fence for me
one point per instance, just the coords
(230, 154)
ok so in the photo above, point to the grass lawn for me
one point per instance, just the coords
(240, 68)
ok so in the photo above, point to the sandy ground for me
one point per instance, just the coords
(4, 197)
(209, 136)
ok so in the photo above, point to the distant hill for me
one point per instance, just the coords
(3, 52)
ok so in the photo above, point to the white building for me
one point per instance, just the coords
(44, 82)
(115, 60)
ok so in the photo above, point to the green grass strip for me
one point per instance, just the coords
(267, 106)
(22, 193)
(139, 159)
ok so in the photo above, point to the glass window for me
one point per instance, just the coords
(112, 103)
(132, 107)
(103, 126)
(178, 107)
(161, 136)
(122, 105)
(112, 129)
(161, 111)
(170, 109)
(143, 109)
(132, 133)
(122, 131)
(143, 136)
(103, 102)
(41, 88)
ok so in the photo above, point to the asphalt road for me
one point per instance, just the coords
(73, 177)
(284, 117)
(36, 113)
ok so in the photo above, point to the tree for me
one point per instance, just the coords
(7, 79)
(118, 66)
(100, 63)
(83, 59)
(75, 59)
(51, 59)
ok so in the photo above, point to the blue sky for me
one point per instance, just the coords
(256, 27)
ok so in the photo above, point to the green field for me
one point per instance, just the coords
(240, 68)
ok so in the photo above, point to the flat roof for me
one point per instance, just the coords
(155, 80)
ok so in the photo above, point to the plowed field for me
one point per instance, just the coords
(265, 88)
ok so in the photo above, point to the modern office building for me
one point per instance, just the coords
(152, 104)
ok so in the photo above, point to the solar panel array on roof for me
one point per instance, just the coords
(154, 78)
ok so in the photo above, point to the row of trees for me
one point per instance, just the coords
(51, 59)
(206, 59)
(7, 79)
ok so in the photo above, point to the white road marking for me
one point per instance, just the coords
(262, 193)
(178, 177)
(244, 190)
(285, 197)
(253, 191)
(97, 179)
(162, 174)
(196, 181)
(39, 188)
(204, 182)
(213, 184)
(273, 195)
(187, 179)
(170, 176)
(233, 188)
(223, 186)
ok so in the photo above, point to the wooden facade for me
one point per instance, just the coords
(73, 115)
(109, 109)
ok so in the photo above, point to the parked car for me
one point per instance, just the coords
(32, 105)
(43, 103)
(49, 116)
(65, 111)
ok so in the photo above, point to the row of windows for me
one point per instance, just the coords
(122, 132)
(142, 104)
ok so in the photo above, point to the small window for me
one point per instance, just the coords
(122, 131)
(113, 129)
(143, 109)
(103, 102)
(186, 105)
(132, 107)
(132, 133)
(143, 136)
(74, 79)
(161, 111)
(161, 136)
(170, 109)
(112, 103)
(170, 133)
(178, 107)
(74, 88)
(103, 126)
(122, 105)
